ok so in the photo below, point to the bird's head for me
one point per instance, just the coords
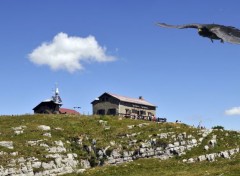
(203, 32)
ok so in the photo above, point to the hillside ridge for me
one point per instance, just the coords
(67, 144)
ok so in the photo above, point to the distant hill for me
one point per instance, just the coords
(108, 145)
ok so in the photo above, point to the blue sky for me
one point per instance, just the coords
(121, 51)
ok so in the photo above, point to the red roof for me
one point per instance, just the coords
(68, 111)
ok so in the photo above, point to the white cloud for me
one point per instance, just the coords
(233, 111)
(67, 53)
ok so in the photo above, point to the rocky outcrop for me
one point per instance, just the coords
(213, 156)
(151, 149)
(57, 162)
(19, 130)
(58, 158)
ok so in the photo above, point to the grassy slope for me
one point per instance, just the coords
(172, 167)
(89, 128)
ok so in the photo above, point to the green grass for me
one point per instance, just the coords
(88, 128)
(171, 167)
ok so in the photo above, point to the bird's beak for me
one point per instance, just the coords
(199, 30)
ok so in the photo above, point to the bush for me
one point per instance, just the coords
(218, 127)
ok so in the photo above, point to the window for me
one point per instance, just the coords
(128, 111)
(142, 112)
(134, 111)
(101, 112)
(112, 112)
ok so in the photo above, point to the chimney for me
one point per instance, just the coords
(140, 98)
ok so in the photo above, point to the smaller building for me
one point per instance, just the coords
(47, 107)
(112, 104)
(53, 106)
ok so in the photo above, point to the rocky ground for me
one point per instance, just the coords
(62, 146)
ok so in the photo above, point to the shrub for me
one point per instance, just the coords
(218, 127)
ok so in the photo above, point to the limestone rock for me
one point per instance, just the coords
(7, 144)
(146, 145)
(213, 142)
(202, 158)
(19, 130)
(163, 135)
(176, 144)
(44, 127)
(191, 160)
(115, 154)
(211, 157)
(47, 134)
(36, 164)
(130, 126)
(85, 164)
(57, 149)
(225, 154)
(206, 147)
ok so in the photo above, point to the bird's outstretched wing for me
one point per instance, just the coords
(194, 25)
(227, 33)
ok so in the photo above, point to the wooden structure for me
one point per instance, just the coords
(53, 106)
(112, 104)
(47, 107)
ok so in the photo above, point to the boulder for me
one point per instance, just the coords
(191, 160)
(183, 143)
(44, 127)
(182, 149)
(36, 164)
(184, 134)
(130, 126)
(200, 139)
(142, 150)
(180, 137)
(48, 166)
(47, 134)
(163, 135)
(150, 152)
(213, 142)
(194, 141)
(112, 143)
(176, 144)
(202, 158)
(56, 149)
(85, 164)
(7, 144)
(233, 151)
(59, 143)
(225, 154)
(146, 145)
(211, 157)
(206, 147)
(115, 154)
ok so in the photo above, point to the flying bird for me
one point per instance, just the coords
(213, 31)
